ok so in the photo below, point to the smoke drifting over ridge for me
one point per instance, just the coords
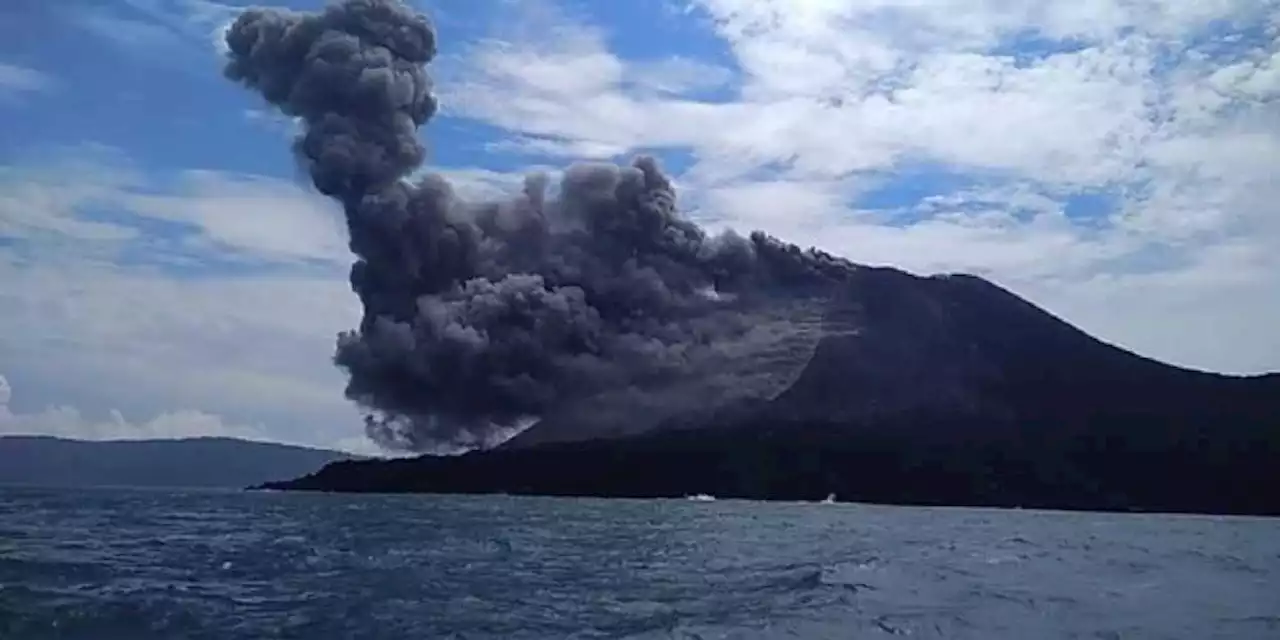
(480, 317)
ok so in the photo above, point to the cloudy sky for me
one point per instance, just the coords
(163, 270)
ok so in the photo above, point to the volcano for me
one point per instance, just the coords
(662, 360)
(941, 390)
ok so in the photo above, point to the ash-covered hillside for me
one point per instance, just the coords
(903, 350)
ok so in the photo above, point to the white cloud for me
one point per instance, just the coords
(68, 422)
(114, 298)
(677, 76)
(257, 215)
(253, 349)
(275, 121)
(1166, 108)
(16, 80)
(40, 204)
(130, 34)
(476, 184)
(156, 29)
(230, 215)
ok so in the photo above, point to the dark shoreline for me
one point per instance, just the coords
(271, 487)
(809, 462)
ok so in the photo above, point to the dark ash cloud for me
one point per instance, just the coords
(591, 295)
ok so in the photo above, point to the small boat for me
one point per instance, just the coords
(831, 499)
(701, 497)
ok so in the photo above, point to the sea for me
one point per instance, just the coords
(135, 564)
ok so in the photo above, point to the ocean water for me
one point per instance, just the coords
(138, 564)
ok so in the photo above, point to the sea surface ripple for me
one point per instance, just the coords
(138, 564)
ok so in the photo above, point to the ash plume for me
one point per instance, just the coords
(593, 296)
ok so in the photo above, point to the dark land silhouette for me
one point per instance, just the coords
(192, 462)
(944, 390)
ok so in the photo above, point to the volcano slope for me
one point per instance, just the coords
(942, 390)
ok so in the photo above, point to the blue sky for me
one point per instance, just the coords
(165, 271)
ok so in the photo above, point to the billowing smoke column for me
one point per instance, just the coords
(482, 316)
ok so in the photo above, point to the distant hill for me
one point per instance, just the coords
(925, 390)
(193, 462)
